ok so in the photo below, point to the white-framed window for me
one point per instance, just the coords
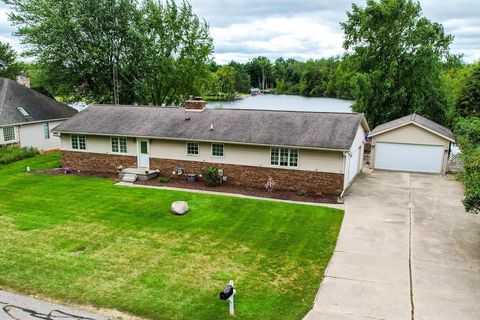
(8, 133)
(46, 131)
(284, 157)
(192, 148)
(119, 145)
(79, 142)
(217, 150)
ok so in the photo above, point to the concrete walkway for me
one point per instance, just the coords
(330, 205)
(407, 250)
(19, 307)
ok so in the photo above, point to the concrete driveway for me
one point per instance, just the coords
(407, 250)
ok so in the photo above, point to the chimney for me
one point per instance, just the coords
(194, 104)
(24, 81)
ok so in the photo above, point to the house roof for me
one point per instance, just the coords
(284, 128)
(416, 120)
(19, 104)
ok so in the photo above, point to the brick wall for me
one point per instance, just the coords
(249, 176)
(96, 162)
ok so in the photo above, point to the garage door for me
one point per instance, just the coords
(354, 165)
(408, 157)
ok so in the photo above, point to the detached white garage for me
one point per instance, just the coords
(412, 143)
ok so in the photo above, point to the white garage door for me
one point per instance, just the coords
(408, 157)
(354, 165)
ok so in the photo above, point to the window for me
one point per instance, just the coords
(284, 157)
(78, 142)
(119, 145)
(8, 133)
(217, 150)
(46, 131)
(192, 148)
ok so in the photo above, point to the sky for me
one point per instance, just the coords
(244, 29)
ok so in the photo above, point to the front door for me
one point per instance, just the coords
(143, 153)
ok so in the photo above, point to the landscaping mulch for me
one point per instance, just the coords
(249, 191)
(200, 185)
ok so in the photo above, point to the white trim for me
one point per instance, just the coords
(208, 141)
(287, 166)
(192, 154)
(71, 142)
(415, 123)
(223, 150)
(36, 121)
(119, 152)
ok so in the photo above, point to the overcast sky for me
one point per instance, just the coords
(243, 29)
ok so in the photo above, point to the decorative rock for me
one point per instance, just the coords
(179, 208)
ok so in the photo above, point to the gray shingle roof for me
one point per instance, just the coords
(38, 106)
(302, 129)
(415, 118)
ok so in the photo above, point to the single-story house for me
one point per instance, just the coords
(310, 151)
(27, 116)
(411, 143)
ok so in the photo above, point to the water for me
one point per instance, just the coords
(285, 102)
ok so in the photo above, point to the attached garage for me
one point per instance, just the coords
(413, 144)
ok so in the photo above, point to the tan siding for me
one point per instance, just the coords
(99, 144)
(32, 135)
(411, 134)
(259, 156)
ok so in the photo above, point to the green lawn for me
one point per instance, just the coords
(84, 240)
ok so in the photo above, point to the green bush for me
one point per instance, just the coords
(164, 180)
(211, 176)
(302, 193)
(10, 154)
(468, 138)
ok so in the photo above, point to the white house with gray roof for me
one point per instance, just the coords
(311, 151)
(27, 116)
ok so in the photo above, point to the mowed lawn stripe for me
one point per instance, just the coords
(84, 240)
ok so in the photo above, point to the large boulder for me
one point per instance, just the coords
(179, 207)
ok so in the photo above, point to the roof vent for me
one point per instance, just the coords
(211, 127)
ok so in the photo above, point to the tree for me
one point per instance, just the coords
(242, 78)
(467, 132)
(226, 80)
(469, 99)
(150, 52)
(398, 54)
(177, 51)
(9, 67)
(260, 71)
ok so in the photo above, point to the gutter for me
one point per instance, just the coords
(32, 122)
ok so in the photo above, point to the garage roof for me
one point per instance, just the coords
(320, 130)
(418, 120)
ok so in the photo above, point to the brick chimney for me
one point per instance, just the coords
(194, 104)
(24, 81)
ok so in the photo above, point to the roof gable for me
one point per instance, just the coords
(418, 121)
(334, 131)
(19, 104)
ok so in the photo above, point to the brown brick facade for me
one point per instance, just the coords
(250, 176)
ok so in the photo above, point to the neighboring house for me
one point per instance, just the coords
(26, 116)
(412, 143)
(310, 151)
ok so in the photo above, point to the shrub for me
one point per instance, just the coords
(164, 180)
(211, 176)
(10, 154)
(468, 138)
(302, 193)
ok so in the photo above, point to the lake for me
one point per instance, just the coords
(285, 102)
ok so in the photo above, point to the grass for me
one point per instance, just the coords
(84, 240)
